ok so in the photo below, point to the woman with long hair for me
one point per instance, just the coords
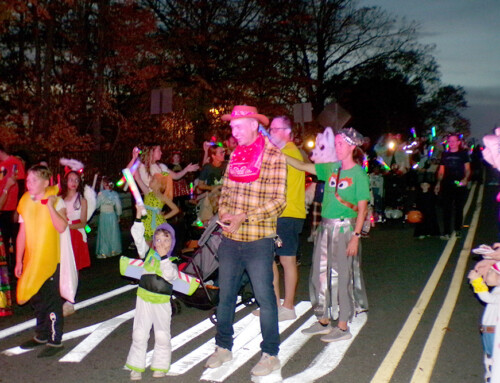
(151, 165)
(76, 212)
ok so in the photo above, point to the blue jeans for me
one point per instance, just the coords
(256, 258)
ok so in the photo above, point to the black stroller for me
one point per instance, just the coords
(204, 265)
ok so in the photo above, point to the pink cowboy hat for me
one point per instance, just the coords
(245, 111)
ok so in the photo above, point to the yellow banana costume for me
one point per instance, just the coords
(42, 251)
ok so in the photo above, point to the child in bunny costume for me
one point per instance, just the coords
(487, 273)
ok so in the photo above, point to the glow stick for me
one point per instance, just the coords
(413, 132)
(134, 189)
(431, 151)
(133, 168)
(433, 131)
(381, 161)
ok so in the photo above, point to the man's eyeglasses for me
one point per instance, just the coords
(271, 129)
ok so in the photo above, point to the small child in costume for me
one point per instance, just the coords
(153, 300)
(480, 283)
(42, 217)
(109, 242)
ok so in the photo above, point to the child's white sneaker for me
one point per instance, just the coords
(159, 374)
(135, 375)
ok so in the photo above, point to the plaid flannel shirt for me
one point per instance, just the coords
(262, 200)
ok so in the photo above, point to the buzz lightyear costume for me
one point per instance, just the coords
(153, 304)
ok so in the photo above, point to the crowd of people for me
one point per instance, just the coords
(254, 181)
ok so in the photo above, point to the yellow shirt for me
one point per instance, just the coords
(296, 185)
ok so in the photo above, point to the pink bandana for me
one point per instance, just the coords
(246, 161)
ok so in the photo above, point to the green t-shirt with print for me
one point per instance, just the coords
(354, 186)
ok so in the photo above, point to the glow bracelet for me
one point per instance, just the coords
(134, 189)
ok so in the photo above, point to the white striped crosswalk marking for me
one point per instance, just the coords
(80, 305)
(97, 336)
(247, 346)
(330, 357)
(68, 336)
(188, 335)
(246, 324)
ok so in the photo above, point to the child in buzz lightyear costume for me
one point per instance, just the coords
(153, 300)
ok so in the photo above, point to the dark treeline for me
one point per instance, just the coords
(78, 74)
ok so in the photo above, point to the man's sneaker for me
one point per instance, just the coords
(266, 365)
(445, 237)
(50, 350)
(159, 374)
(286, 314)
(32, 343)
(316, 329)
(219, 357)
(337, 334)
(135, 375)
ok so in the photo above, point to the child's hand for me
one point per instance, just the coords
(138, 209)
(51, 200)
(192, 167)
(11, 181)
(473, 274)
(135, 152)
(18, 271)
(483, 266)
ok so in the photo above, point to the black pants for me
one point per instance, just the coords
(9, 230)
(454, 198)
(47, 304)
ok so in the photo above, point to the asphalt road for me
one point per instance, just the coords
(422, 324)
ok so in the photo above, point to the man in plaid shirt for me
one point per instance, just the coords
(253, 196)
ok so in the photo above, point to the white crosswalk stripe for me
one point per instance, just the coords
(247, 345)
(331, 355)
(247, 339)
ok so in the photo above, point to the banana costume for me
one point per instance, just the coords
(42, 252)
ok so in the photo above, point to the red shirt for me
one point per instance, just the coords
(6, 171)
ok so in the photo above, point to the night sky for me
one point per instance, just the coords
(467, 38)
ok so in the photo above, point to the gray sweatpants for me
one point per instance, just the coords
(336, 285)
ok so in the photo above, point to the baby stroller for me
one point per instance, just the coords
(204, 264)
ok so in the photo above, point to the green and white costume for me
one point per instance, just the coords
(152, 305)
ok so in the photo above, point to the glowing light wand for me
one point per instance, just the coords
(134, 189)
(133, 168)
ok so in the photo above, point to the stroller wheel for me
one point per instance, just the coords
(213, 317)
(176, 306)
(247, 298)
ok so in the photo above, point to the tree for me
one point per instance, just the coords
(325, 42)
(443, 110)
